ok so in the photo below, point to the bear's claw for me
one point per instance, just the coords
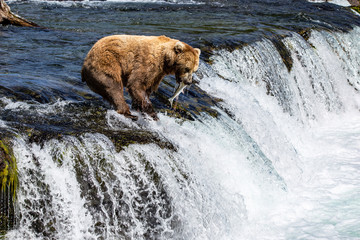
(132, 117)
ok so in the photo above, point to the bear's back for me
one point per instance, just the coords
(131, 42)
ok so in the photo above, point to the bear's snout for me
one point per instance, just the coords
(186, 79)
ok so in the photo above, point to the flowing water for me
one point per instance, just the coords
(265, 146)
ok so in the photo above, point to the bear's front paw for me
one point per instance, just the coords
(154, 116)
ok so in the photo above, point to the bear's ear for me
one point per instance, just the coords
(198, 51)
(179, 47)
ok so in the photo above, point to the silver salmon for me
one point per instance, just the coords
(179, 90)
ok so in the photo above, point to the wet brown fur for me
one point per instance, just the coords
(138, 63)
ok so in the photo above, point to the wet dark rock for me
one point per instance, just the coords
(283, 51)
(120, 138)
(87, 119)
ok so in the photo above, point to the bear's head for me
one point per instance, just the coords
(186, 62)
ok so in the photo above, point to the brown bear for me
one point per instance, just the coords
(138, 63)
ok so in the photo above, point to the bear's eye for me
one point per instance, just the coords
(187, 70)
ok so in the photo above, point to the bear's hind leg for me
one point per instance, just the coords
(110, 89)
(121, 106)
(141, 101)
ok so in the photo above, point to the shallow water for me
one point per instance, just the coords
(266, 146)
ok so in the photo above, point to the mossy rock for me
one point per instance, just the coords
(305, 33)
(9, 184)
(357, 9)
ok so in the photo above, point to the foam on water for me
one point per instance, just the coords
(329, 190)
(47, 108)
(344, 3)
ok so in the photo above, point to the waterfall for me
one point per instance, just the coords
(255, 171)
(323, 70)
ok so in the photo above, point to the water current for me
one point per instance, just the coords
(265, 146)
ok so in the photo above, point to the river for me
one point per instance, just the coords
(265, 146)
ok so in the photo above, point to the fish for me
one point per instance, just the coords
(179, 90)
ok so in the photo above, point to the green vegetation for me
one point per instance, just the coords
(9, 183)
(8, 174)
(357, 9)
